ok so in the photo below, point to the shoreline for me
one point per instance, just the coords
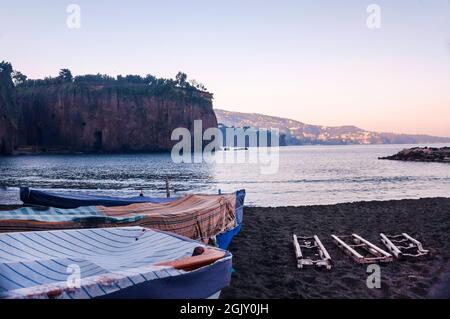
(19, 205)
(36, 150)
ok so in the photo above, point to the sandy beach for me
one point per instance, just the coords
(265, 265)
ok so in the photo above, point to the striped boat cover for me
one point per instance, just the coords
(197, 217)
(47, 264)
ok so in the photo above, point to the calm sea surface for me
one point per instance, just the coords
(307, 175)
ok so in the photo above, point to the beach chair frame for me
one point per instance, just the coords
(404, 246)
(376, 254)
(311, 243)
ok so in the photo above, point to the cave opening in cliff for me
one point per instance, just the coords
(98, 140)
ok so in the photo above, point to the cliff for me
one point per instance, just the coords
(107, 117)
(8, 116)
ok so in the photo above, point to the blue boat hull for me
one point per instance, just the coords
(70, 201)
(199, 284)
(117, 263)
(67, 200)
(224, 239)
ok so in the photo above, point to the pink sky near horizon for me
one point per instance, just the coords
(311, 61)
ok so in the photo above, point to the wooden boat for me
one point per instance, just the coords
(74, 200)
(209, 218)
(128, 262)
(235, 148)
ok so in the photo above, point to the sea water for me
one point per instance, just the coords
(307, 175)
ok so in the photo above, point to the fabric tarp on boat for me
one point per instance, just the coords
(74, 200)
(105, 262)
(224, 239)
(66, 200)
(199, 217)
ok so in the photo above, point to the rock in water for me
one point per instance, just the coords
(422, 154)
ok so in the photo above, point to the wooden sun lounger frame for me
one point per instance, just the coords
(394, 244)
(325, 259)
(379, 255)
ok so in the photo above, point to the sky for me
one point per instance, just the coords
(313, 61)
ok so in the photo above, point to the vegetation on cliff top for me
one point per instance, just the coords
(178, 88)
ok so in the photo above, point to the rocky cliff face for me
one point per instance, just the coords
(107, 118)
(8, 116)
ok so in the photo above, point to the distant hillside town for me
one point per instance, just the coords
(297, 133)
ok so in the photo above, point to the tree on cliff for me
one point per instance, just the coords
(5, 68)
(19, 78)
(181, 79)
(198, 86)
(150, 79)
(136, 79)
(95, 79)
(65, 75)
(201, 87)
(6, 80)
(8, 110)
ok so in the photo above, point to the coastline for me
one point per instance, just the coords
(265, 264)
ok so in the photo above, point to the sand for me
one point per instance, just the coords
(265, 265)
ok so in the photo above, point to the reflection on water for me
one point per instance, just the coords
(307, 175)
